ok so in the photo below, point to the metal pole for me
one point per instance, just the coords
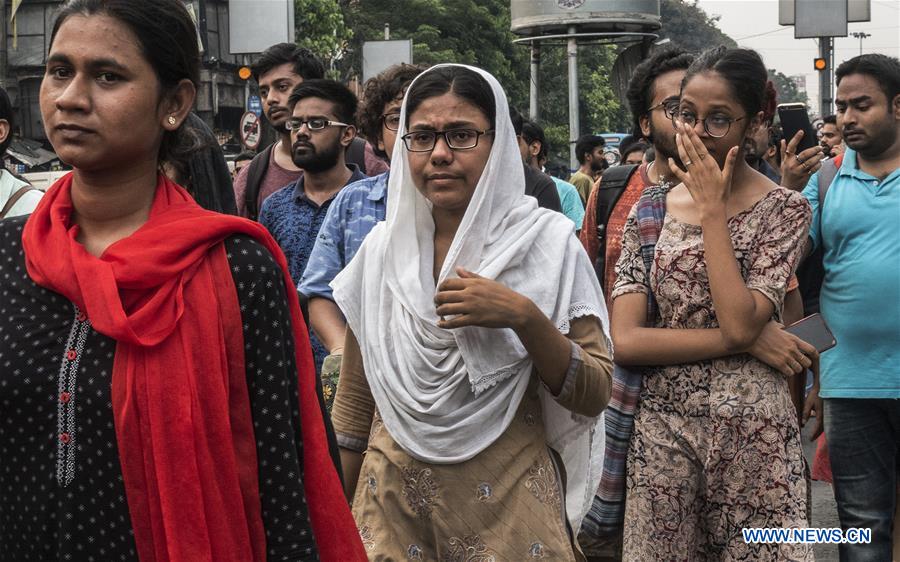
(387, 32)
(826, 51)
(573, 98)
(534, 107)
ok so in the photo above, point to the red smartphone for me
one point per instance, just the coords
(814, 331)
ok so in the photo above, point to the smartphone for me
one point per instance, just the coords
(793, 117)
(814, 331)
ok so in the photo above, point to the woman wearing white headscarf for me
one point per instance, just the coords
(477, 362)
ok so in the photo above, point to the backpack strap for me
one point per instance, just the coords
(256, 170)
(356, 153)
(612, 186)
(827, 173)
(14, 198)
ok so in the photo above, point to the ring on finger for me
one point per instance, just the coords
(797, 156)
(687, 162)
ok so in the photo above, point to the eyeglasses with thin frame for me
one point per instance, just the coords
(669, 105)
(391, 121)
(716, 126)
(456, 139)
(313, 124)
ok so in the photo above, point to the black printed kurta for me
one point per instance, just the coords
(61, 490)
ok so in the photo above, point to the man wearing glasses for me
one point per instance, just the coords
(354, 212)
(322, 125)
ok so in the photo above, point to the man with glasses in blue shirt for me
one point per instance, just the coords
(351, 216)
(322, 125)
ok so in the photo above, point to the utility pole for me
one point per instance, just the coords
(534, 112)
(573, 96)
(826, 51)
(860, 35)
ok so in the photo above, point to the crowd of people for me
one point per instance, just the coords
(394, 337)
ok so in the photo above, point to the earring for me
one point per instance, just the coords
(172, 120)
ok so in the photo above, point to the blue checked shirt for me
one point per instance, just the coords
(294, 221)
(353, 214)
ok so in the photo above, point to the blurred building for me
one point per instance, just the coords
(221, 98)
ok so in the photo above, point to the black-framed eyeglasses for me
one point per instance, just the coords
(457, 139)
(716, 126)
(391, 121)
(670, 107)
(314, 124)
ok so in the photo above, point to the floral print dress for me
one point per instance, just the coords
(716, 446)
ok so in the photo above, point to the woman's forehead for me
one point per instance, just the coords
(447, 107)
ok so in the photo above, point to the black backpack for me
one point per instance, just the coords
(356, 154)
(612, 186)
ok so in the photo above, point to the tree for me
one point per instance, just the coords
(786, 88)
(691, 28)
(319, 26)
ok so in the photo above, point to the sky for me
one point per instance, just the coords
(754, 24)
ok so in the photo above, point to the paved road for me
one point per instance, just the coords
(824, 510)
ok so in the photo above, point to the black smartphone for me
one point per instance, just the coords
(793, 117)
(814, 331)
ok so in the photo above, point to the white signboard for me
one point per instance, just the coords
(250, 131)
(379, 55)
(857, 11)
(255, 25)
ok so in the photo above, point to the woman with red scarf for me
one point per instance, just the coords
(157, 394)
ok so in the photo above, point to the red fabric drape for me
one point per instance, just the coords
(179, 392)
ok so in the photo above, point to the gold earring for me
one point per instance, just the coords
(172, 120)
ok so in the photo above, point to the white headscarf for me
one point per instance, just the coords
(446, 395)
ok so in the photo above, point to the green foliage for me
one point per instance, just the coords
(688, 26)
(478, 32)
(319, 26)
(786, 89)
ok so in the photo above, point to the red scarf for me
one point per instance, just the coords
(179, 391)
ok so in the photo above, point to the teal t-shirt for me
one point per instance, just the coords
(859, 230)
(570, 201)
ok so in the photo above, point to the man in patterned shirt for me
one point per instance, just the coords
(322, 125)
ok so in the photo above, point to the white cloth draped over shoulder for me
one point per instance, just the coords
(446, 395)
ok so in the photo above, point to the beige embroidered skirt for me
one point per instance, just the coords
(504, 504)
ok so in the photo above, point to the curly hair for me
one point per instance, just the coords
(640, 87)
(380, 91)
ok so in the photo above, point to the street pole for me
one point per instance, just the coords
(534, 107)
(573, 97)
(861, 35)
(826, 51)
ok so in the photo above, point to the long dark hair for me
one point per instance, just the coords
(167, 38)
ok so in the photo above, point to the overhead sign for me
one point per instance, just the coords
(258, 24)
(379, 55)
(254, 104)
(250, 130)
(857, 11)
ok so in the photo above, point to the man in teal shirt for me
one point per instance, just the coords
(534, 149)
(860, 300)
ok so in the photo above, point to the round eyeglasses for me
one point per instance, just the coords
(314, 124)
(716, 126)
(669, 107)
(457, 139)
(391, 121)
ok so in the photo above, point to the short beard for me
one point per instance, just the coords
(664, 145)
(875, 142)
(316, 162)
